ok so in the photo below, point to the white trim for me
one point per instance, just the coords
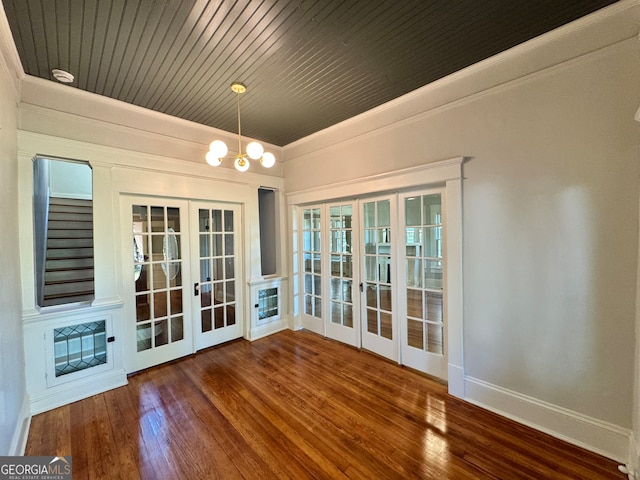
(9, 56)
(455, 379)
(633, 460)
(21, 432)
(31, 143)
(268, 329)
(422, 175)
(595, 435)
(62, 312)
(81, 389)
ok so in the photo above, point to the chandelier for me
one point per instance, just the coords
(218, 149)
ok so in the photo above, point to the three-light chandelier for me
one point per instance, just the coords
(218, 149)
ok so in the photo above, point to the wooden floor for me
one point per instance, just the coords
(297, 406)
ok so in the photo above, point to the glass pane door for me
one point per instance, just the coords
(340, 325)
(217, 288)
(422, 323)
(378, 278)
(158, 322)
(312, 275)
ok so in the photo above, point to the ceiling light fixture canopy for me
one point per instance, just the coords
(218, 149)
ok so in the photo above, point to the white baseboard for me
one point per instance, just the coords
(592, 434)
(268, 329)
(68, 393)
(21, 433)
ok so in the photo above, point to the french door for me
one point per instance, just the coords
(312, 260)
(185, 283)
(217, 291)
(373, 276)
(378, 277)
(342, 323)
(422, 301)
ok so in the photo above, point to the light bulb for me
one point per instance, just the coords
(212, 159)
(241, 164)
(268, 160)
(255, 150)
(218, 148)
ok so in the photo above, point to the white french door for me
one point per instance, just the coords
(378, 276)
(217, 290)
(342, 322)
(312, 261)
(182, 278)
(374, 274)
(158, 326)
(422, 301)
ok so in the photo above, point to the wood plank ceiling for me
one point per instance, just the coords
(308, 64)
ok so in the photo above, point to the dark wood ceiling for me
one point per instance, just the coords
(308, 64)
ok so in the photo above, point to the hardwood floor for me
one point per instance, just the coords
(295, 405)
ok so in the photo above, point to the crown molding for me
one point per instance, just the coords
(58, 99)
(9, 55)
(588, 35)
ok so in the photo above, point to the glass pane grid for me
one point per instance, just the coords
(340, 246)
(217, 269)
(424, 272)
(378, 267)
(157, 275)
(312, 258)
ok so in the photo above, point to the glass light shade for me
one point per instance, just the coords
(255, 150)
(268, 160)
(241, 164)
(218, 148)
(212, 159)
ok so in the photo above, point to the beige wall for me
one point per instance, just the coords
(550, 210)
(12, 383)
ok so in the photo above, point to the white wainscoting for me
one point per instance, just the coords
(45, 390)
(259, 328)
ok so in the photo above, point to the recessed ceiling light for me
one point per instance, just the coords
(62, 76)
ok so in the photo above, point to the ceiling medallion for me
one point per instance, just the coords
(218, 149)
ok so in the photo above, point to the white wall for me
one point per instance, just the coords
(12, 382)
(70, 180)
(550, 215)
